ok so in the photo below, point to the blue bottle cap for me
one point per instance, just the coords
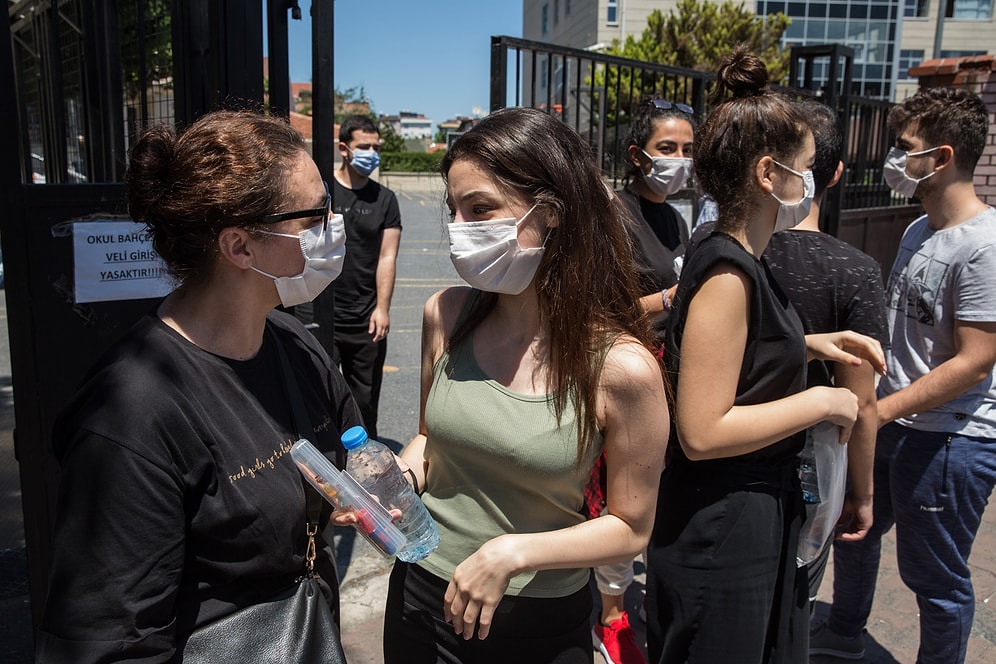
(353, 437)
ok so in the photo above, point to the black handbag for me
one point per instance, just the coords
(293, 627)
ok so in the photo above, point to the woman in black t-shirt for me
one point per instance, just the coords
(178, 500)
(658, 163)
(723, 584)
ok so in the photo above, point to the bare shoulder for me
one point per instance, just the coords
(630, 367)
(441, 310)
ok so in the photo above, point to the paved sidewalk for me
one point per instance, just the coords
(893, 632)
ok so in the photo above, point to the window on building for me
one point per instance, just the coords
(908, 59)
(916, 8)
(612, 12)
(556, 12)
(567, 7)
(977, 10)
(545, 19)
(960, 54)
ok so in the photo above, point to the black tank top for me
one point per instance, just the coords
(774, 362)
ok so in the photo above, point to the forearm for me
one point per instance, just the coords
(935, 388)
(387, 260)
(861, 447)
(384, 278)
(654, 303)
(861, 454)
(414, 456)
(607, 539)
(745, 429)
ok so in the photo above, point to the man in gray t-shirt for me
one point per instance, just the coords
(935, 457)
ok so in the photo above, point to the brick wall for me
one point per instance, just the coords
(978, 74)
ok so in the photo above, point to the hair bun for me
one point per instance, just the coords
(150, 171)
(742, 74)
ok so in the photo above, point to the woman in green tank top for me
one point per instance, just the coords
(526, 377)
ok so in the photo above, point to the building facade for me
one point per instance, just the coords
(888, 36)
(411, 125)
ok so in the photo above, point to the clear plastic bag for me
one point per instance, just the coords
(828, 458)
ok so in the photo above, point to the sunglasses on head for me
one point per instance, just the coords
(323, 212)
(666, 105)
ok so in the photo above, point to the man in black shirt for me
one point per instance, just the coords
(834, 286)
(363, 292)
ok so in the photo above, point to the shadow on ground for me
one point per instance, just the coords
(875, 652)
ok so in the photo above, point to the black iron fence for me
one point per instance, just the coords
(88, 76)
(597, 95)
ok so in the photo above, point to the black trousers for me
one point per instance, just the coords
(362, 364)
(722, 581)
(525, 630)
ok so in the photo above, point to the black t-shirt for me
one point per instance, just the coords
(774, 362)
(832, 285)
(366, 212)
(178, 497)
(659, 236)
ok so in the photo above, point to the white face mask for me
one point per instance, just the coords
(487, 255)
(667, 174)
(323, 254)
(790, 214)
(894, 172)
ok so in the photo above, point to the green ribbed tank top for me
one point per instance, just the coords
(499, 463)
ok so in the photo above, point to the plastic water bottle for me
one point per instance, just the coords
(372, 464)
(810, 540)
(807, 474)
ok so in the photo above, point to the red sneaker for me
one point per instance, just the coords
(617, 643)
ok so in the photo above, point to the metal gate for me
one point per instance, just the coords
(597, 94)
(79, 80)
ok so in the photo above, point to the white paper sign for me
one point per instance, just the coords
(114, 260)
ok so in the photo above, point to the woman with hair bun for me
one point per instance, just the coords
(178, 500)
(723, 583)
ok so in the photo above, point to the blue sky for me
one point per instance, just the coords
(426, 56)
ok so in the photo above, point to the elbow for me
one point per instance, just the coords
(696, 448)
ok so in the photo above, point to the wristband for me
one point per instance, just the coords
(411, 474)
(665, 300)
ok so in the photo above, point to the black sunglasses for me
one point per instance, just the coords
(666, 105)
(302, 214)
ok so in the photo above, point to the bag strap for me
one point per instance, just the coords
(301, 423)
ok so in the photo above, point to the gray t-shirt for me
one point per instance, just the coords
(940, 277)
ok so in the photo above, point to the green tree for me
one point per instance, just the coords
(156, 43)
(350, 102)
(390, 141)
(697, 34)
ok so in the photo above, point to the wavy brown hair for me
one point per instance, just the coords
(586, 279)
(226, 169)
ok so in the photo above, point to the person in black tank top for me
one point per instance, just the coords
(722, 582)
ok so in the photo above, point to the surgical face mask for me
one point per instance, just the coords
(364, 162)
(323, 252)
(894, 172)
(667, 174)
(790, 214)
(487, 255)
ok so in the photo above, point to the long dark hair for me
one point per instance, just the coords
(586, 280)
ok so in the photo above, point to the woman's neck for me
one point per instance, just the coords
(216, 320)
